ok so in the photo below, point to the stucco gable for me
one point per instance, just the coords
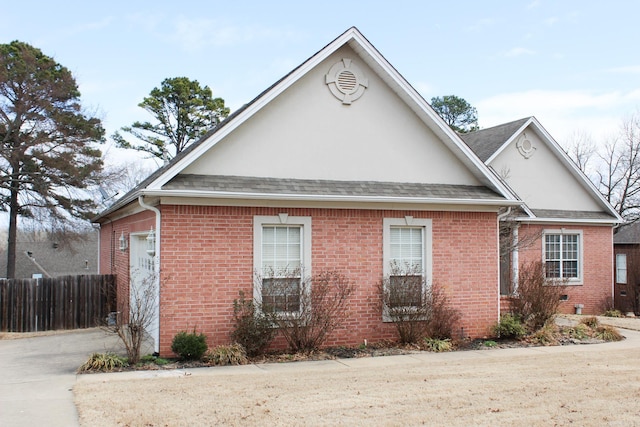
(539, 171)
(389, 134)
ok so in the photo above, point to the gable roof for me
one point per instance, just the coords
(159, 182)
(490, 142)
(486, 142)
(628, 234)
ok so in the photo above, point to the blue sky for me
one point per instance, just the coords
(573, 64)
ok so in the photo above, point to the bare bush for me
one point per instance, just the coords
(537, 298)
(304, 309)
(141, 306)
(253, 329)
(416, 310)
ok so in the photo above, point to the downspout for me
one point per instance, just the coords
(155, 326)
(500, 217)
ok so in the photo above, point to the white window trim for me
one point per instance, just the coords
(281, 219)
(566, 232)
(408, 221)
(626, 270)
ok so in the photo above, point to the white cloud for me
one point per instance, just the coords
(481, 24)
(518, 51)
(198, 33)
(630, 69)
(551, 20)
(534, 4)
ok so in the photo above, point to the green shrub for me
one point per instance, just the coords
(103, 362)
(252, 328)
(490, 343)
(223, 355)
(608, 333)
(590, 321)
(189, 346)
(438, 345)
(509, 327)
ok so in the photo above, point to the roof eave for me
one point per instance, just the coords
(327, 198)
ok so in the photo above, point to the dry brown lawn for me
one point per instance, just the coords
(585, 385)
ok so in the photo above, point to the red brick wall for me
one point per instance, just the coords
(597, 264)
(207, 258)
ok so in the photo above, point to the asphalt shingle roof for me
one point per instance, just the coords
(278, 186)
(486, 142)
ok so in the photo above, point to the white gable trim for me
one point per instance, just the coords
(564, 159)
(389, 74)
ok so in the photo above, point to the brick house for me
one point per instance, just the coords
(339, 165)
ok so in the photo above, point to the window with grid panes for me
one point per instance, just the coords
(281, 267)
(406, 256)
(562, 255)
(621, 268)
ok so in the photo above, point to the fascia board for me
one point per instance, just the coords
(327, 198)
(536, 220)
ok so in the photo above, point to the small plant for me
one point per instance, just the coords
(224, 355)
(546, 335)
(510, 327)
(608, 333)
(580, 331)
(591, 321)
(151, 359)
(189, 346)
(103, 362)
(438, 345)
(490, 343)
(613, 313)
(252, 328)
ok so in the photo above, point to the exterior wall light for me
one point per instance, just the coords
(151, 243)
(123, 242)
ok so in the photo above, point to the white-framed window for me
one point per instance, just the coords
(562, 254)
(407, 259)
(621, 268)
(282, 257)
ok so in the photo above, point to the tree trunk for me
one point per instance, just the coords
(13, 229)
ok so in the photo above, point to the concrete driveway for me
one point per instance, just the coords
(37, 375)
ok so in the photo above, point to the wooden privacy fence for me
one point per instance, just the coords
(67, 302)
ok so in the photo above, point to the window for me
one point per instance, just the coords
(407, 260)
(621, 268)
(282, 254)
(563, 255)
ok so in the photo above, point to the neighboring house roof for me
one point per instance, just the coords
(628, 235)
(49, 259)
(489, 144)
(167, 181)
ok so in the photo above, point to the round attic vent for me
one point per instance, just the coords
(346, 81)
(525, 147)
